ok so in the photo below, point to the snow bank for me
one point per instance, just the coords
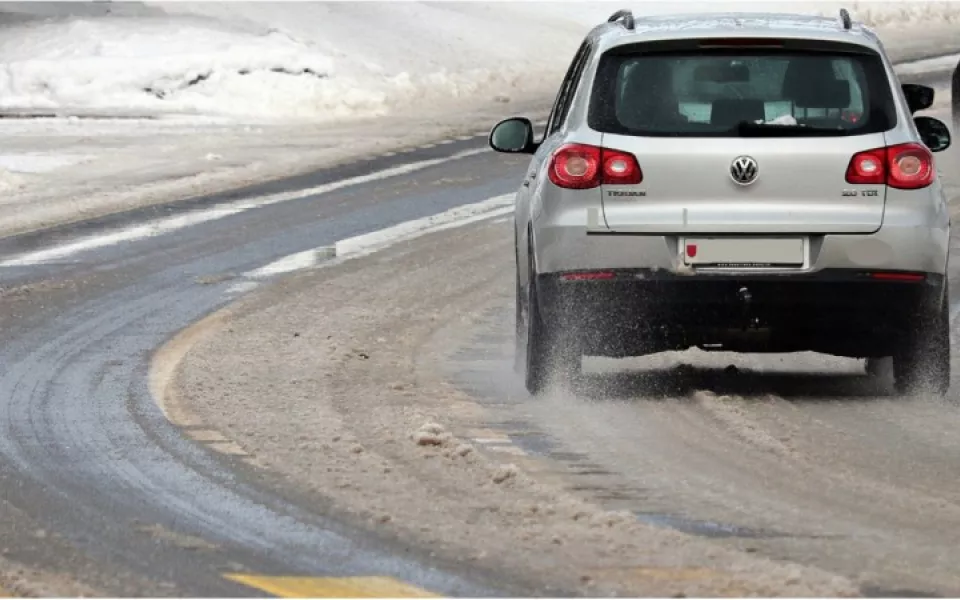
(9, 181)
(158, 65)
(320, 61)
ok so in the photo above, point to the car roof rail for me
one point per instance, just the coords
(845, 19)
(625, 17)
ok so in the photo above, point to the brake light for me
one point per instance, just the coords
(868, 167)
(899, 276)
(575, 166)
(741, 43)
(620, 168)
(904, 166)
(580, 166)
(911, 166)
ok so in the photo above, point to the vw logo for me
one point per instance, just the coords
(743, 170)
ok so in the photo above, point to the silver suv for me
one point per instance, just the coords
(736, 182)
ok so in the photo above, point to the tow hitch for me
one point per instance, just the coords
(746, 309)
(749, 332)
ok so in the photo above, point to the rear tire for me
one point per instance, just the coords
(549, 356)
(519, 350)
(923, 365)
(519, 332)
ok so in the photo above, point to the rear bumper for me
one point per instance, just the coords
(839, 311)
(908, 247)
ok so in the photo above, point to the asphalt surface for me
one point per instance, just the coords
(87, 456)
(95, 482)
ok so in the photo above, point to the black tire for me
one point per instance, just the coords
(548, 355)
(923, 366)
(519, 346)
(955, 98)
(536, 362)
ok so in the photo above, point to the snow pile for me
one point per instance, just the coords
(38, 163)
(885, 15)
(159, 65)
(320, 61)
(9, 181)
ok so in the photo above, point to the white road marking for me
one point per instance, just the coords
(294, 262)
(127, 234)
(368, 243)
(170, 224)
(242, 287)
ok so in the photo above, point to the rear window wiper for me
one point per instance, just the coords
(754, 129)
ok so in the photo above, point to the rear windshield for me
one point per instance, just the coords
(741, 93)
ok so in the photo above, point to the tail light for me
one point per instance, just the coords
(905, 167)
(579, 166)
(741, 43)
(898, 276)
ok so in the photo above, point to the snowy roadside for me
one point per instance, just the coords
(54, 171)
(360, 417)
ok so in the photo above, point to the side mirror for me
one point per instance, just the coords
(513, 136)
(933, 132)
(919, 97)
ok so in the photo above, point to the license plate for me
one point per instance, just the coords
(743, 252)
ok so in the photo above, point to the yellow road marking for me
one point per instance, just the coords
(228, 447)
(206, 435)
(331, 587)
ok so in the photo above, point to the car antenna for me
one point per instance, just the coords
(625, 15)
(845, 19)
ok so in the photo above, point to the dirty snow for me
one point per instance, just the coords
(323, 61)
(362, 375)
(38, 163)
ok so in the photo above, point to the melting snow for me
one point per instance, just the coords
(317, 61)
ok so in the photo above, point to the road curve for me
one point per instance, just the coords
(97, 484)
(102, 486)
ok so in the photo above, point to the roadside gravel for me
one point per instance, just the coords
(349, 409)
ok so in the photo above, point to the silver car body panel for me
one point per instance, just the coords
(572, 230)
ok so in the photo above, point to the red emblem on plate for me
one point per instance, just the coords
(692, 250)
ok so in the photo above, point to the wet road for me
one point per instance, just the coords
(87, 458)
(96, 483)
(799, 457)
